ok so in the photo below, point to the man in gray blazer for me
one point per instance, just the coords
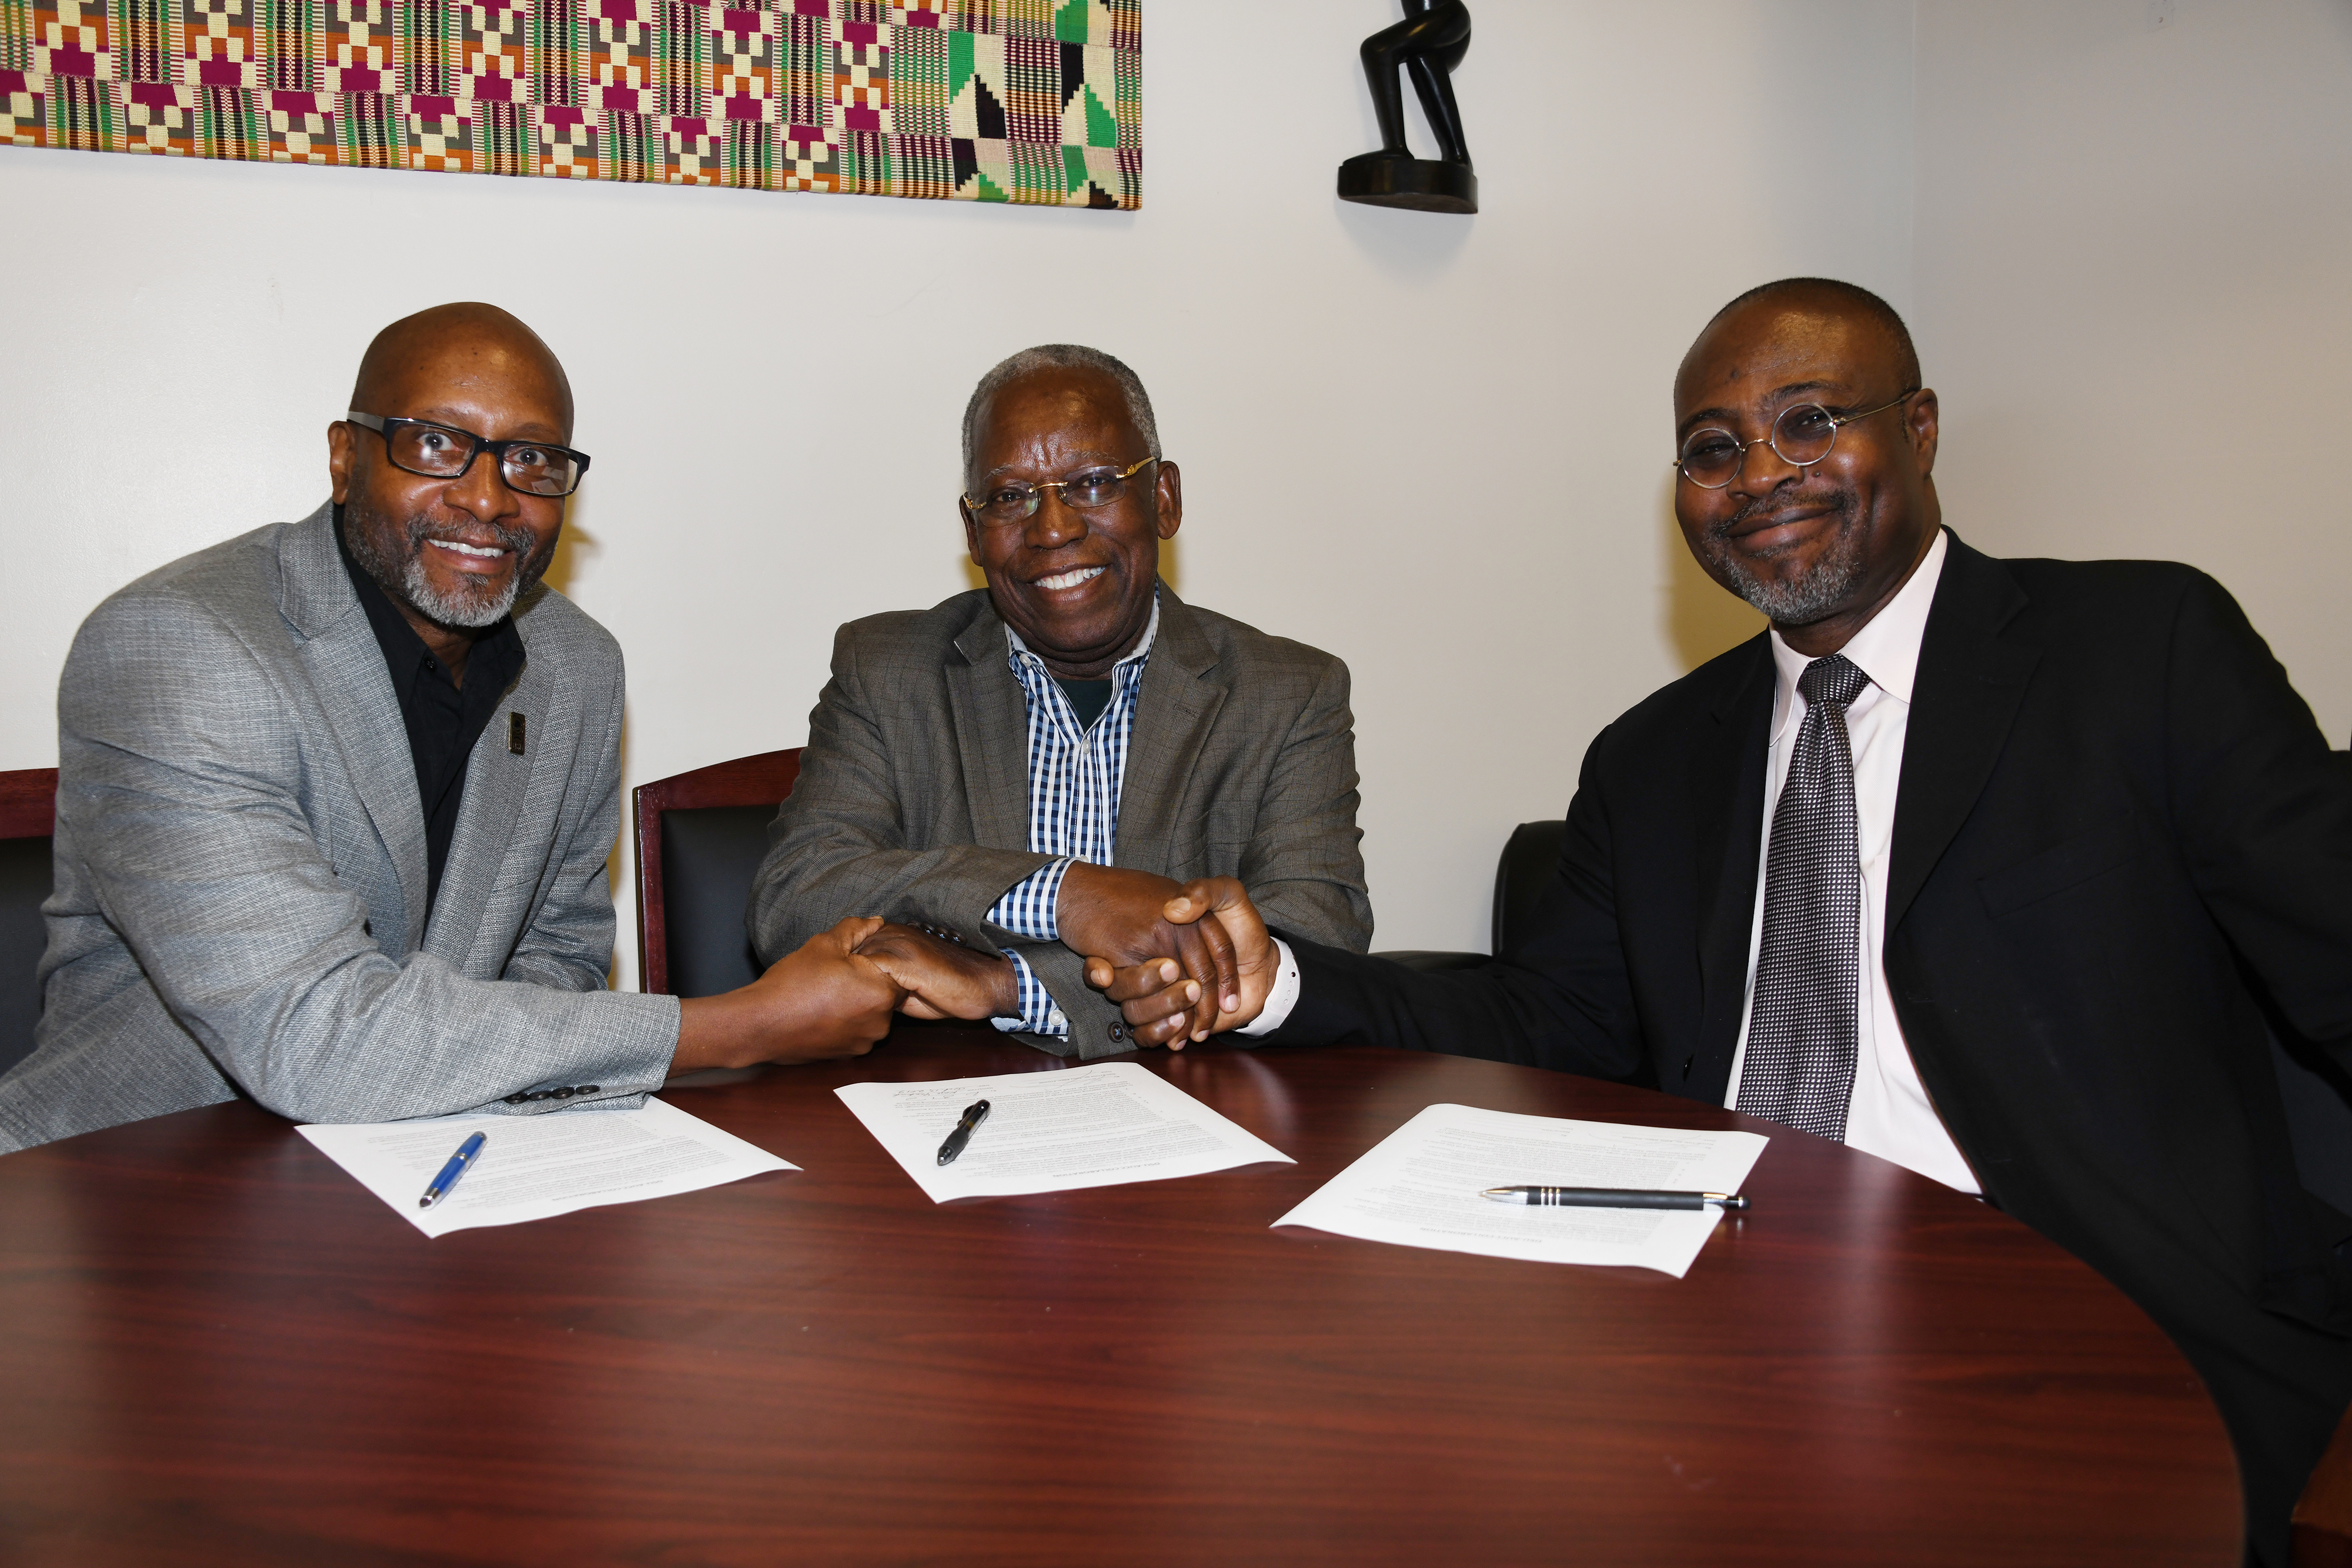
(1033, 768)
(334, 801)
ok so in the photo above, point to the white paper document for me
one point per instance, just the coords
(1053, 1131)
(534, 1166)
(1418, 1187)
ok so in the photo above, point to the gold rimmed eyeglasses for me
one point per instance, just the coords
(1016, 500)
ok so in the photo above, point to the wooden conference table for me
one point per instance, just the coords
(217, 1347)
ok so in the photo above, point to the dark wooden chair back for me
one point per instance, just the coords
(699, 837)
(27, 816)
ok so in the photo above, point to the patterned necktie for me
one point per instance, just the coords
(1799, 1066)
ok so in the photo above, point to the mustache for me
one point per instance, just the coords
(422, 526)
(1841, 504)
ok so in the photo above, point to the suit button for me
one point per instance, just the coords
(1687, 1065)
(517, 1098)
(536, 1094)
(564, 1094)
(1118, 1031)
(587, 1089)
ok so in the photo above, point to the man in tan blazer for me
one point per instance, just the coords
(1036, 766)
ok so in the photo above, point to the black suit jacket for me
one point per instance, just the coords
(2118, 837)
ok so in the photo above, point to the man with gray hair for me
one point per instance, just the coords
(1034, 768)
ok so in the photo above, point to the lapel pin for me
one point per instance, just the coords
(514, 733)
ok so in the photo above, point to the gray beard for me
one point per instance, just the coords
(1800, 603)
(469, 608)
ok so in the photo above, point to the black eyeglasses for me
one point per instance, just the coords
(1016, 500)
(1802, 435)
(444, 451)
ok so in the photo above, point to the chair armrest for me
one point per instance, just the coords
(2323, 1519)
(1418, 958)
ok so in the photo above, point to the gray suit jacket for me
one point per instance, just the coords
(240, 901)
(913, 797)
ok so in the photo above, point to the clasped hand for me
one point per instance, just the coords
(941, 978)
(1118, 919)
(835, 996)
(1163, 1004)
(1177, 976)
(821, 1000)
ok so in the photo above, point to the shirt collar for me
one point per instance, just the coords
(1886, 649)
(1021, 654)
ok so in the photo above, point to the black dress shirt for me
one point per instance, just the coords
(443, 721)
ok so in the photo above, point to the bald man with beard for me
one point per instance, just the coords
(1996, 869)
(335, 797)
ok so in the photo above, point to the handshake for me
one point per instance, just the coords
(1177, 976)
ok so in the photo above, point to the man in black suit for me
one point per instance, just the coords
(2046, 842)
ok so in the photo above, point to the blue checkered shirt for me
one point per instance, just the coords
(1075, 777)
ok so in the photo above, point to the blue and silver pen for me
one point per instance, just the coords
(459, 1163)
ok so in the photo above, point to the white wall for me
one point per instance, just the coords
(2134, 244)
(1436, 446)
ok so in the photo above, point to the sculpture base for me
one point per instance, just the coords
(1423, 184)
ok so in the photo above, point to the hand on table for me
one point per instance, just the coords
(822, 1002)
(1150, 999)
(942, 979)
(1119, 917)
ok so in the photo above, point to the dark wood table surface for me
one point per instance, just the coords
(218, 1348)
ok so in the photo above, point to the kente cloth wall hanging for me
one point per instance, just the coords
(1035, 102)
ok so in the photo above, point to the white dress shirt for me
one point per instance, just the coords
(1890, 1115)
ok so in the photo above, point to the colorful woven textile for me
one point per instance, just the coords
(990, 100)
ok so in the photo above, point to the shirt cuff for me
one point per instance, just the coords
(1279, 1001)
(1027, 907)
(1038, 1013)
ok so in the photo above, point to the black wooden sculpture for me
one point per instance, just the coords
(1428, 43)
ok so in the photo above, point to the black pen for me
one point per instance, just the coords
(1613, 1198)
(459, 1163)
(962, 1133)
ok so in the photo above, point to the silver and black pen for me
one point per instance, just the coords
(1613, 1198)
(973, 1116)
